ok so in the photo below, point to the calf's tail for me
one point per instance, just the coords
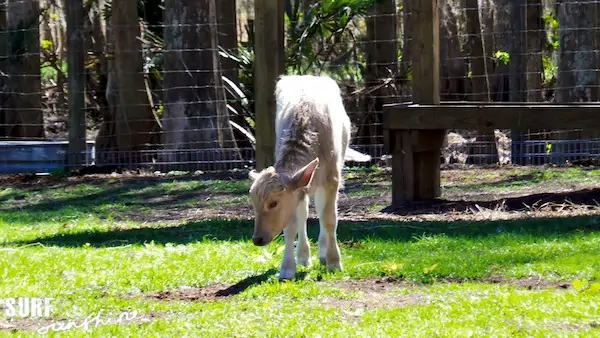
(355, 156)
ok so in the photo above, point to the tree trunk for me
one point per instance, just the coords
(135, 126)
(195, 110)
(381, 69)
(97, 76)
(479, 72)
(576, 68)
(488, 14)
(479, 76)
(228, 39)
(501, 31)
(517, 79)
(576, 60)
(453, 69)
(535, 38)
(4, 84)
(22, 111)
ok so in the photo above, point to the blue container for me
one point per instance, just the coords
(37, 156)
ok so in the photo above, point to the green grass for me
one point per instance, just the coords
(94, 246)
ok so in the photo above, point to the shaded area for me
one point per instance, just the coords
(503, 182)
(350, 233)
(151, 198)
(585, 197)
(165, 197)
(523, 178)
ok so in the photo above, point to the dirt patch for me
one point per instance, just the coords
(205, 293)
(387, 284)
(574, 326)
(214, 291)
(372, 300)
(374, 294)
(530, 283)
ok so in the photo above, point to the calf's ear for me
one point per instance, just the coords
(304, 175)
(253, 175)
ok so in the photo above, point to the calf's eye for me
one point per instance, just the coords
(272, 205)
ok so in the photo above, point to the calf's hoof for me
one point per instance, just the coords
(335, 266)
(305, 261)
(287, 274)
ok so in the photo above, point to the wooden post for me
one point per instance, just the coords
(269, 63)
(76, 84)
(416, 154)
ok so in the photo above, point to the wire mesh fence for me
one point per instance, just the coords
(169, 85)
(534, 51)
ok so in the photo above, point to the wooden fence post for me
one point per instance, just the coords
(76, 85)
(416, 155)
(269, 63)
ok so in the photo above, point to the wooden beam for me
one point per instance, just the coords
(426, 56)
(76, 84)
(268, 65)
(497, 116)
(416, 165)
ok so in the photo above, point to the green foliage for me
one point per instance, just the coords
(46, 44)
(239, 95)
(502, 56)
(549, 58)
(550, 69)
(584, 286)
(552, 24)
(323, 32)
(49, 69)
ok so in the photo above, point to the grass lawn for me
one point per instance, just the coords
(173, 253)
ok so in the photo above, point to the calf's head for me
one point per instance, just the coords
(275, 197)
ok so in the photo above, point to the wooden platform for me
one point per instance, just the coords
(480, 115)
(414, 133)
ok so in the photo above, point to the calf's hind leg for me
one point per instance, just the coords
(326, 200)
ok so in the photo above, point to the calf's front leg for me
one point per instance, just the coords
(303, 250)
(288, 265)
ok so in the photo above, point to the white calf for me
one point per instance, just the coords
(313, 133)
